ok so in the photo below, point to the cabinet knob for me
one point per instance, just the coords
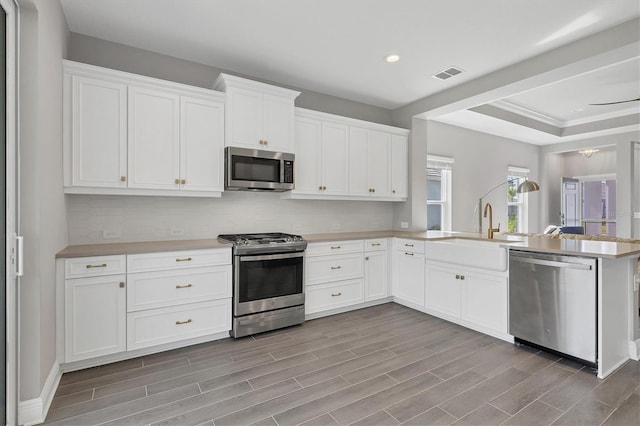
(366, 258)
(320, 187)
(457, 276)
(121, 284)
(462, 277)
(183, 181)
(266, 142)
(373, 190)
(177, 181)
(394, 191)
(123, 178)
(324, 188)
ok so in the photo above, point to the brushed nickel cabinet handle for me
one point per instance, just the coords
(336, 267)
(186, 259)
(123, 178)
(121, 284)
(102, 265)
(408, 245)
(189, 321)
(335, 247)
(375, 244)
(336, 294)
(184, 286)
(408, 254)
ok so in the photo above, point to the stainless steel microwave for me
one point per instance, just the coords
(256, 170)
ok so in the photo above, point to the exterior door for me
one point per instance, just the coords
(570, 215)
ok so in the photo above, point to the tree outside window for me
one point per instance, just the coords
(517, 204)
(439, 193)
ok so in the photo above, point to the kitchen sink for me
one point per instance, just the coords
(485, 254)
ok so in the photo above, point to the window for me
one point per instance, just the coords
(439, 193)
(517, 204)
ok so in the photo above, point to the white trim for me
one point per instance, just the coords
(634, 349)
(516, 171)
(34, 411)
(527, 112)
(317, 115)
(12, 205)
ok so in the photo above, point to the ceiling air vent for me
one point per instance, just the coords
(448, 73)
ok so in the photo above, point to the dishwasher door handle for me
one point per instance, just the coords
(551, 263)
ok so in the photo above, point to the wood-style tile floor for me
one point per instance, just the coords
(384, 365)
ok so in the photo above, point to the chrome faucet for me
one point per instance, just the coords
(491, 229)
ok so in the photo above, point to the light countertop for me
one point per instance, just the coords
(589, 248)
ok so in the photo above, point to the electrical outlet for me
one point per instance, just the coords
(404, 225)
(636, 215)
(176, 232)
(110, 234)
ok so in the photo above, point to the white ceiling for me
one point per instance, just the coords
(337, 46)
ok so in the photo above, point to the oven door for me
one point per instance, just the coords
(267, 282)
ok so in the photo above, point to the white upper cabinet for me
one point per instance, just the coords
(99, 132)
(133, 135)
(154, 139)
(399, 166)
(369, 163)
(346, 159)
(201, 144)
(334, 158)
(258, 115)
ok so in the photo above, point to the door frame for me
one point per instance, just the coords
(12, 207)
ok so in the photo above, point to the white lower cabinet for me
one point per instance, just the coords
(166, 325)
(95, 316)
(471, 297)
(116, 304)
(485, 301)
(375, 270)
(409, 271)
(442, 289)
(323, 297)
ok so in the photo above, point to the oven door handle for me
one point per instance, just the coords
(271, 257)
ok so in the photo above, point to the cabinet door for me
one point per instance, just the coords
(98, 133)
(278, 124)
(335, 139)
(485, 301)
(201, 144)
(375, 275)
(244, 118)
(410, 277)
(443, 289)
(359, 162)
(399, 166)
(379, 163)
(154, 139)
(308, 144)
(95, 317)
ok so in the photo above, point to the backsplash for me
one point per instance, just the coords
(95, 219)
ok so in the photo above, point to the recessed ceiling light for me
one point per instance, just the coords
(394, 57)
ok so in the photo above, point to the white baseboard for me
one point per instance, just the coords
(634, 350)
(34, 411)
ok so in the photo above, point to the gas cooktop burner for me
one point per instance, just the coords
(263, 242)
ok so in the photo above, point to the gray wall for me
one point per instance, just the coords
(480, 163)
(107, 54)
(636, 179)
(43, 224)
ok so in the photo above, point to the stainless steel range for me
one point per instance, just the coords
(268, 281)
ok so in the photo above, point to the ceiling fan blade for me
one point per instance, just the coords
(618, 102)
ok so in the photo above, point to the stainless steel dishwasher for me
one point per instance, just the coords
(553, 303)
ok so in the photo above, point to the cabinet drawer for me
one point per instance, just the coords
(334, 247)
(147, 290)
(94, 266)
(165, 325)
(411, 246)
(324, 269)
(178, 260)
(323, 297)
(375, 245)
